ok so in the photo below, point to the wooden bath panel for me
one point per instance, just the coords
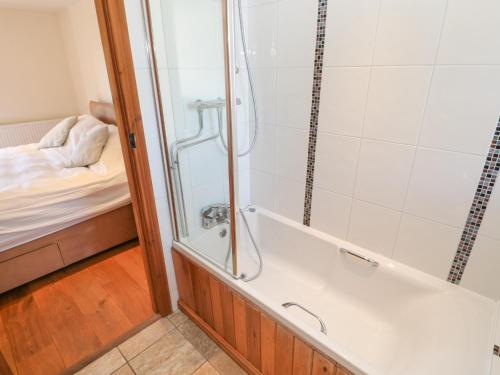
(256, 341)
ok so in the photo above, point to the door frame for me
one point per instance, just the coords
(115, 39)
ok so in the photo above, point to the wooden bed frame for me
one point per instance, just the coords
(47, 254)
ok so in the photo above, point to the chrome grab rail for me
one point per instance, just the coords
(175, 165)
(372, 262)
(290, 304)
(177, 174)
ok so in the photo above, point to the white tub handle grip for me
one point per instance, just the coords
(290, 304)
(374, 263)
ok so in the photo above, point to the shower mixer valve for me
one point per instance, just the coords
(214, 214)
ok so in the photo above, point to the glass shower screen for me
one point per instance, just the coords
(191, 49)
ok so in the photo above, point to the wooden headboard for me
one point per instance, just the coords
(104, 112)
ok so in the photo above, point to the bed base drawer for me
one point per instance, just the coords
(97, 234)
(44, 255)
(29, 266)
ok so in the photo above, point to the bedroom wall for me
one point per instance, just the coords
(85, 56)
(34, 74)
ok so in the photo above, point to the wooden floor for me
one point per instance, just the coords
(51, 324)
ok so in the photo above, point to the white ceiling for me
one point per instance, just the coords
(39, 5)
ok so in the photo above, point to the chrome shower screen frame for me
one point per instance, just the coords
(228, 20)
(232, 153)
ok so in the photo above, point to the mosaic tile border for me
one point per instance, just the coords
(496, 350)
(477, 210)
(313, 122)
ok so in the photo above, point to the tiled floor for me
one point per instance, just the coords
(170, 346)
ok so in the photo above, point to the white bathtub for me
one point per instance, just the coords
(389, 319)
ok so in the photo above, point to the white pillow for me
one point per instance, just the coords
(58, 134)
(82, 127)
(111, 160)
(89, 148)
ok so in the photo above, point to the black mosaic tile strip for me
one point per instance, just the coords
(477, 210)
(313, 122)
(496, 350)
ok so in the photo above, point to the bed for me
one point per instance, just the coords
(51, 216)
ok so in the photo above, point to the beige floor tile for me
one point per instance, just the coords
(177, 318)
(198, 338)
(145, 338)
(105, 365)
(124, 370)
(225, 365)
(172, 355)
(206, 369)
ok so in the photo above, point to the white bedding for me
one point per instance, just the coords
(38, 196)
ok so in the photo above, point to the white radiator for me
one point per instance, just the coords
(25, 132)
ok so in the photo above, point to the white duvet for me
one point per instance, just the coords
(39, 196)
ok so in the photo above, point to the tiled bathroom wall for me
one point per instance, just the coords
(410, 100)
(408, 108)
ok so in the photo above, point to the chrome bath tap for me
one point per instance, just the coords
(214, 214)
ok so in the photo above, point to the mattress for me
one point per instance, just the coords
(39, 196)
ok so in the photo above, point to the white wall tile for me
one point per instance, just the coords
(336, 159)
(396, 103)
(262, 34)
(350, 32)
(296, 33)
(291, 153)
(343, 100)
(408, 31)
(426, 245)
(243, 138)
(250, 3)
(163, 211)
(265, 95)
(491, 222)
(263, 156)
(463, 108)
(167, 102)
(143, 78)
(330, 212)
(373, 227)
(158, 33)
(243, 190)
(149, 120)
(137, 34)
(442, 185)
(262, 189)
(189, 85)
(158, 176)
(289, 197)
(207, 153)
(242, 92)
(293, 96)
(383, 173)
(470, 33)
(481, 274)
(193, 33)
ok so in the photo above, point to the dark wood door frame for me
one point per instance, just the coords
(118, 54)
